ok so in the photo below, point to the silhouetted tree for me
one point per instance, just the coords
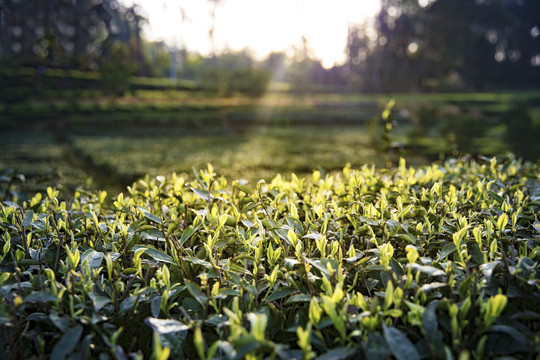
(413, 44)
(66, 33)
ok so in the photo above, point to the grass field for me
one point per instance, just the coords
(61, 141)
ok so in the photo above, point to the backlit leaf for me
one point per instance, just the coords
(155, 254)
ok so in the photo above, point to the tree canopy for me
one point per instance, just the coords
(418, 44)
(65, 33)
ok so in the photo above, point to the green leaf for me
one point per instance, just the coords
(476, 253)
(447, 250)
(375, 348)
(40, 297)
(203, 194)
(276, 295)
(61, 322)
(396, 267)
(290, 263)
(322, 264)
(127, 304)
(497, 197)
(407, 237)
(298, 298)
(172, 334)
(238, 269)
(258, 324)
(466, 286)
(67, 343)
(536, 226)
(94, 258)
(432, 286)
(188, 233)
(488, 268)
(99, 301)
(155, 306)
(196, 292)
(147, 214)
(515, 334)
(340, 353)
(155, 254)
(197, 261)
(393, 225)
(429, 270)
(243, 188)
(395, 313)
(152, 235)
(312, 236)
(400, 346)
(368, 221)
(248, 345)
(166, 326)
(430, 327)
(28, 219)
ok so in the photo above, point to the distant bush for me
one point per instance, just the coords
(461, 130)
(426, 118)
(226, 82)
(522, 132)
(116, 70)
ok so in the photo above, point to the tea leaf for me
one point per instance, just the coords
(276, 295)
(196, 261)
(67, 343)
(429, 322)
(203, 194)
(400, 346)
(150, 216)
(447, 250)
(155, 254)
(166, 326)
(298, 299)
(426, 269)
(188, 233)
(340, 353)
(196, 292)
(40, 297)
(515, 334)
(94, 258)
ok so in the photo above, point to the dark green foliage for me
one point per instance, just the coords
(66, 34)
(522, 133)
(446, 45)
(115, 71)
(227, 82)
(416, 263)
(461, 130)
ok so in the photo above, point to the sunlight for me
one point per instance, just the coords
(263, 26)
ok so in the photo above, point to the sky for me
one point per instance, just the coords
(262, 25)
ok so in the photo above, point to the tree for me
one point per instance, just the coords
(447, 42)
(65, 33)
(233, 72)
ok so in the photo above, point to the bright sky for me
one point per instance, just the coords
(261, 25)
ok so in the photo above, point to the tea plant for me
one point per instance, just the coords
(434, 262)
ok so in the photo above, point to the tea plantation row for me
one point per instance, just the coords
(437, 262)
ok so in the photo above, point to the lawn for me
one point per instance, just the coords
(160, 132)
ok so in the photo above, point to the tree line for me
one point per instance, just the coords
(68, 34)
(447, 44)
(410, 45)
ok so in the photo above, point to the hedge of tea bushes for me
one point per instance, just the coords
(436, 262)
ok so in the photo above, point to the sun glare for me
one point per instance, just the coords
(261, 25)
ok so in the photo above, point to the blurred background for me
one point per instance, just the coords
(99, 93)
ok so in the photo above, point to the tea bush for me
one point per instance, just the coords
(432, 262)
